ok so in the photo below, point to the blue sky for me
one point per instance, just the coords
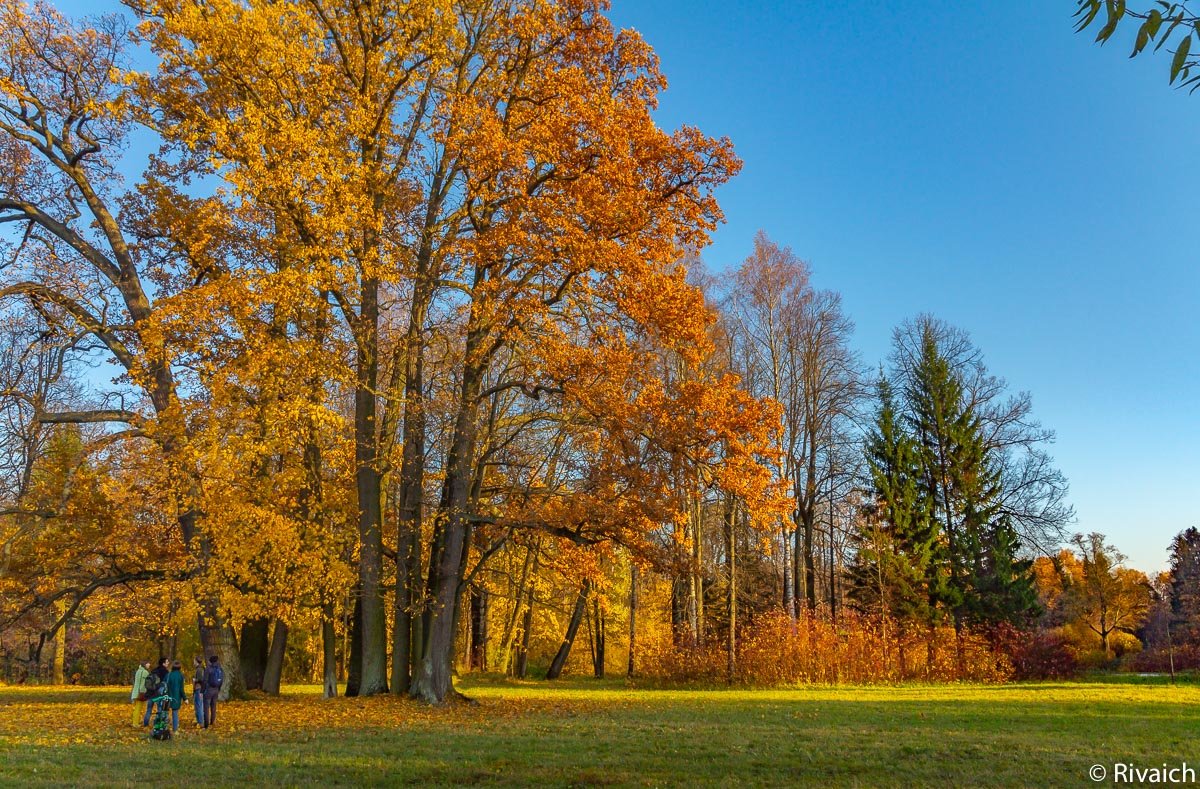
(982, 162)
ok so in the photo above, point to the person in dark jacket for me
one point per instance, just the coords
(198, 684)
(175, 691)
(160, 672)
(214, 678)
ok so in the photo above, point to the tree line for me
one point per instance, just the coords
(393, 357)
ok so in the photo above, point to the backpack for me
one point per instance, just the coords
(216, 677)
(153, 684)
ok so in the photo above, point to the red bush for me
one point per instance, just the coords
(1041, 655)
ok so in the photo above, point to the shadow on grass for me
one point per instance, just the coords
(586, 732)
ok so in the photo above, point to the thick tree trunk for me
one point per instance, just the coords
(329, 653)
(402, 624)
(633, 608)
(410, 500)
(252, 651)
(432, 680)
(564, 649)
(411, 625)
(217, 638)
(273, 676)
(373, 626)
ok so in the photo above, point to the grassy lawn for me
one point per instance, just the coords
(582, 732)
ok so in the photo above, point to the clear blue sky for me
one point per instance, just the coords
(982, 162)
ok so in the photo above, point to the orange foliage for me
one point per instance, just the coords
(777, 650)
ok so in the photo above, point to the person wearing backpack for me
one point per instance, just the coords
(154, 687)
(198, 685)
(139, 688)
(214, 678)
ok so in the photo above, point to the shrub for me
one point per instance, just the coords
(779, 650)
(1045, 654)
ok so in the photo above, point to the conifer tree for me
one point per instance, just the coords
(894, 549)
(975, 572)
(1185, 586)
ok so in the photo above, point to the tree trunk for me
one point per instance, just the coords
(58, 672)
(329, 653)
(833, 602)
(697, 579)
(432, 678)
(510, 629)
(810, 563)
(731, 587)
(402, 625)
(354, 661)
(633, 607)
(679, 600)
(372, 630)
(564, 649)
(252, 651)
(598, 638)
(479, 629)
(217, 638)
(522, 664)
(273, 676)
(793, 569)
(411, 493)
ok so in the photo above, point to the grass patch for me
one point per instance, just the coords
(581, 732)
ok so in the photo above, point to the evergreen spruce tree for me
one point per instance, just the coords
(889, 574)
(975, 572)
(940, 424)
(1004, 589)
(1185, 587)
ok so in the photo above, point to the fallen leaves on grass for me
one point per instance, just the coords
(61, 716)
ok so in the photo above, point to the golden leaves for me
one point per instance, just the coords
(33, 716)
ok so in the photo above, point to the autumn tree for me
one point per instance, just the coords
(64, 121)
(496, 151)
(1108, 597)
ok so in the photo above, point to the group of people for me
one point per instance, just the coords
(164, 686)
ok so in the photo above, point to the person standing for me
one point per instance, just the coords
(139, 688)
(198, 683)
(175, 691)
(214, 677)
(154, 687)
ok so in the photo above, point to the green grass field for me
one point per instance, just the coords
(582, 732)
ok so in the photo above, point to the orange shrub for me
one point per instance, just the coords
(779, 650)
